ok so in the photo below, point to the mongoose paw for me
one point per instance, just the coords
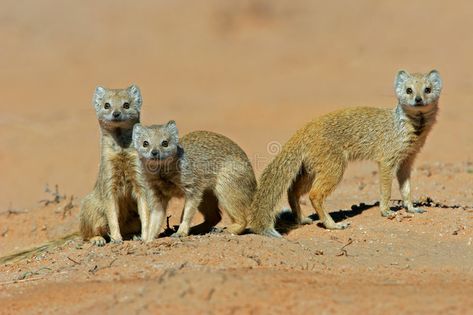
(179, 234)
(271, 232)
(337, 226)
(116, 240)
(98, 241)
(235, 229)
(416, 210)
(306, 221)
(216, 230)
(137, 238)
(388, 213)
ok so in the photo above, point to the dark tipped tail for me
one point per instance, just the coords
(36, 250)
(274, 182)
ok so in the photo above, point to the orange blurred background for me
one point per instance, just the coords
(253, 70)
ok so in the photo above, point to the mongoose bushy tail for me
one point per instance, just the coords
(27, 253)
(274, 182)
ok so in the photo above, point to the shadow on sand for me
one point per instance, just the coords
(285, 221)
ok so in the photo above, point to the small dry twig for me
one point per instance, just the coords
(32, 273)
(56, 196)
(74, 261)
(460, 228)
(94, 269)
(68, 207)
(343, 251)
(11, 211)
(20, 281)
(97, 268)
(405, 216)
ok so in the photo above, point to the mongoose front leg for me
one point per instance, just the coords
(385, 182)
(404, 179)
(190, 208)
(144, 213)
(112, 218)
(156, 219)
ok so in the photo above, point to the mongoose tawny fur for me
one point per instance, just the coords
(112, 207)
(209, 170)
(315, 158)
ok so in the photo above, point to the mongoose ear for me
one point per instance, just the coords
(434, 77)
(137, 130)
(98, 95)
(99, 90)
(401, 78)
(172, 127)
(135, 93)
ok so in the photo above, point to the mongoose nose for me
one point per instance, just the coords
(154, 153)
(418, 99)
(116, 114)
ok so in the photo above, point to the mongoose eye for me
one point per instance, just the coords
(145, 144)
(126, 105)
(164, 143)
(106, 106)
(427, 90)
(409, 91)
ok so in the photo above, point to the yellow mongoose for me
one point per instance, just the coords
(116, 204)
(315, 158)
(211, 171)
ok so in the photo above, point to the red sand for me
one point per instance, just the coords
(254, 71)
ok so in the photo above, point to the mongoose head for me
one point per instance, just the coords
(157, 142)
(117, 107)
(417, 91)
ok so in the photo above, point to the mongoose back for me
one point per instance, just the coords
(315, 158)
(209, 170)
(111, 208)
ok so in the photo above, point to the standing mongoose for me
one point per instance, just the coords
(209, 170)
(315, 158)
(115, 205)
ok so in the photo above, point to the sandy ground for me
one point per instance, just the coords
(254, 71)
